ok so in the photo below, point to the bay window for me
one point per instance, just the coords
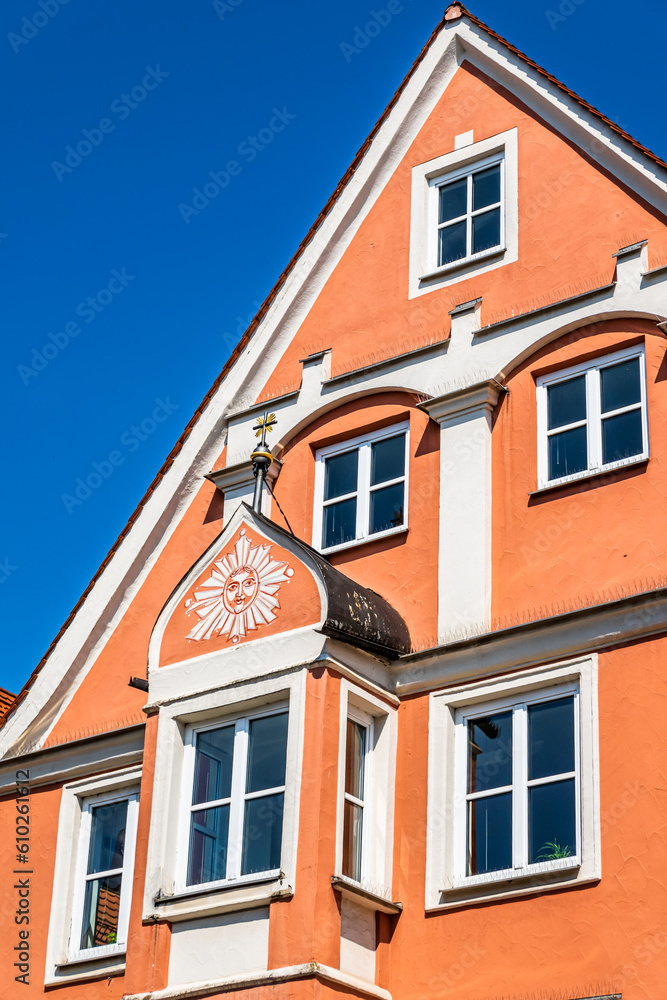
(235, 816)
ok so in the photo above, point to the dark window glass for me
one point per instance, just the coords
(619, 385)
(208, 845)
(213, 767)
(267, 752)
(387, 508)
(452, 243)
(550, 738)
(566, 402)
(101, 908)
(352, 834)
(490, 752)
(107, 837)
(486, 187)
(622, 436)
(486, 231)
(552, 821)
(490, 834)
(262, 833)
(453, 200)
(568, 453)
(340, 474)
(387, 459)
(339, 523)
(355, 749)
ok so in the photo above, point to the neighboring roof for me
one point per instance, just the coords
(6, 699)
(453, 12)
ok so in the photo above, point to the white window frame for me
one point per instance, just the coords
(165, 896)
(76, 953)
(379, 782)
(593, 419)
(447, 884)
(66, 962)
(425, 274)
(435, 226)
(366, 721)
(519, 787)
(363, 444)
(237, 799)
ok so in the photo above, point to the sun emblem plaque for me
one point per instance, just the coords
(241, 592)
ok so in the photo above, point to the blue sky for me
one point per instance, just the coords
(120, 307)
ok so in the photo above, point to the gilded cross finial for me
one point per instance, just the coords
(265, 424)
(261, 456)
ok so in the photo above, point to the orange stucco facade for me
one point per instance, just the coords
(516, 592)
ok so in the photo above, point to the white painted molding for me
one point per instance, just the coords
(286, 974)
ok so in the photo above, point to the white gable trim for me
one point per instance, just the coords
(112, 594)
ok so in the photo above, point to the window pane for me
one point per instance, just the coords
(551, 821)
(340, 474)
(208, 845)
(490, 752)
(339, 523)
(213, 766)
(387, 508)
(490, 834)
(453, 200)
(486, 187)
(619, 385)
(352, 829)
(262, 834)
(387, 459)
(566, 402)
(266, 755)
(107, 837)
(550, 738)
(452, 243)
(100, 912)
(622, 436)
(486, 231)
(568, 453)
(354, 759)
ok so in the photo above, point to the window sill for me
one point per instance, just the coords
(578, 477)
(503, 887)
(77, 969)
(209, 901)
(365, 897)
(402, 530)
(460, 265)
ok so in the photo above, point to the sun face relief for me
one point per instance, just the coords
(240, 594)
(241, 589)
